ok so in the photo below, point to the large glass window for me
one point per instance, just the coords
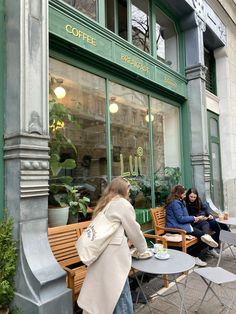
(164, 32)
(88, 7)
(140, 24)
(84, 125)
(78, 124)
(166, 40)
(130, 141)
(166, 145)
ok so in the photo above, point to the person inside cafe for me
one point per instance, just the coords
(106, 287)
(177, 216)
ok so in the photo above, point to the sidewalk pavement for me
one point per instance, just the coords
(194, 291)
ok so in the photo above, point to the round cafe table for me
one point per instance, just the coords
(178, 262)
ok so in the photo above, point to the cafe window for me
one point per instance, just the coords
(164, 33)
(85, 128)
(166, 146)
(130, 141)
(88, 7)
(166, 40)
(211, 71)
(78, 110)
(140, 25)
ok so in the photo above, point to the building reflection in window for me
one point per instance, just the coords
(140, 24)
(88, 7)
(130, 142)
(87, 104)
(166, 40)
(166, 145)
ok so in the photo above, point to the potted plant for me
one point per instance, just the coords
(164, 180)
(76, 202)
(59, 142)
(8, 258)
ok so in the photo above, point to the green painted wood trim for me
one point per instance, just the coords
(151, 153)
(216, 140)
(109, 48)
(129, 21)
(153, 37)
(108, 131)
(2, 102)
(100, 5)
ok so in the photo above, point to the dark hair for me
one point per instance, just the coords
(197, 202)
(175, 193)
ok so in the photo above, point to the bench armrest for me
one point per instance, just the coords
(69, 271)
(176, 230)
(156, 237)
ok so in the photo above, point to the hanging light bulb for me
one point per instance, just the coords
(147, 117)
(113, 106)
(60, 91)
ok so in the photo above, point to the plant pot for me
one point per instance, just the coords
(58, 216)
(5, 310)
(73, 218)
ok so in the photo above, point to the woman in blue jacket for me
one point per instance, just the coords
(177, 217)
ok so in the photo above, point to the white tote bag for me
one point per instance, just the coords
(96, 237)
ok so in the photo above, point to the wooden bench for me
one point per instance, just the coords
(62, 241)
(159, 223)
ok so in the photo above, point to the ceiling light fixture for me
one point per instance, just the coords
(59, 91)
(147, 117)
(113, 106)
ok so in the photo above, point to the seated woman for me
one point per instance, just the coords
(177, 217)
(195, 207)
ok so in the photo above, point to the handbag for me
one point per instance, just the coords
(94, 240)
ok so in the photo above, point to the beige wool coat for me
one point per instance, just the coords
(106, 277)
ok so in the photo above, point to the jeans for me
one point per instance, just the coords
(124, 304)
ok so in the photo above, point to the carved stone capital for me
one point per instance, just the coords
(196, 71)
(203, 161)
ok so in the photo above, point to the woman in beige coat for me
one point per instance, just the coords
(106, 288)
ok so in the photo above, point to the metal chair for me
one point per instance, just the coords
(218, 275)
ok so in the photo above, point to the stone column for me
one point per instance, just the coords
(40, 281)
(194, 27)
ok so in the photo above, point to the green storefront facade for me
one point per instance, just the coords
(139, 98)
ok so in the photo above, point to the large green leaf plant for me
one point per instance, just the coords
(62, 191)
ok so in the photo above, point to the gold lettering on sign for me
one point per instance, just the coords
(81, 35)
(134, 63)
(170, 82)
(133, 170)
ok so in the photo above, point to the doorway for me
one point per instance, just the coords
(216, 186)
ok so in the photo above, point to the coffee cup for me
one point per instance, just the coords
(163, 253)
(157, 248)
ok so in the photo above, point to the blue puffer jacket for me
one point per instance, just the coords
(177, 216)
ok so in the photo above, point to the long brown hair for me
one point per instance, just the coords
(175, 194)
(197, 202)
(117, 188)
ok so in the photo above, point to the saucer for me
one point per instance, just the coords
(144, 255)
(163, 257)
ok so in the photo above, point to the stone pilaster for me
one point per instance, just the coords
(195, 71)
(40, 281)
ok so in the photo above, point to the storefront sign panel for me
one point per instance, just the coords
(91, 40)
(81, 36)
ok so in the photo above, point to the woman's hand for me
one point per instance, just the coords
(199, 218)
(210, 217)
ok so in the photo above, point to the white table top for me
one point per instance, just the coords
(230, 221)
(177, 263)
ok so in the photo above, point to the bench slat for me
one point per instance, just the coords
(62, 241)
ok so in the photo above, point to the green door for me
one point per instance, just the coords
(215, 160)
